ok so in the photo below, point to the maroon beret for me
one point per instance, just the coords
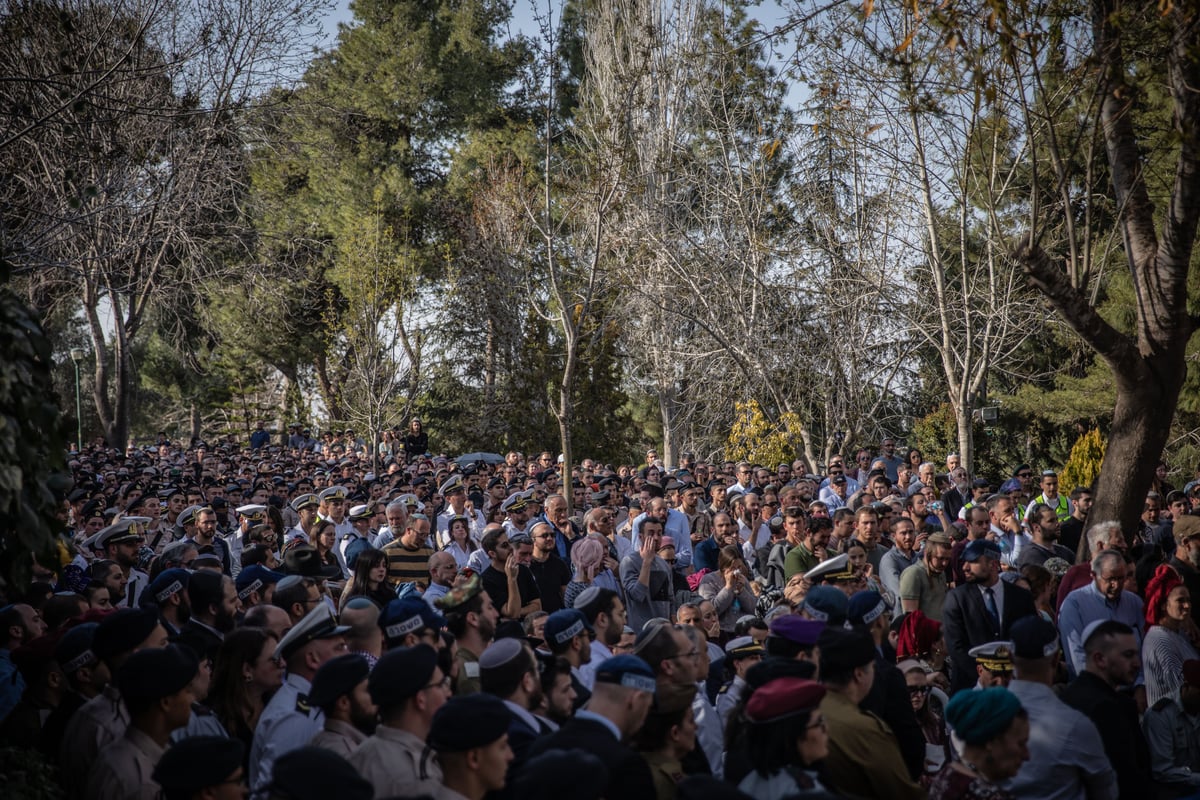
(783, 697)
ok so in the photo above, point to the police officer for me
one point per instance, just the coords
(741, 654)
(289, 720)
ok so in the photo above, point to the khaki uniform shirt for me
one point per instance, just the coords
(123, 769)
(394, 762)
(864, 759)
(340, 737)
(98, 722)
(468, 672)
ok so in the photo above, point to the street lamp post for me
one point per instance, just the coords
(77, 354)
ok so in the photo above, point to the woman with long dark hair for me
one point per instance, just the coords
(787, 740)
(460, 544)
(370, 580)
(324, 537)
(245, 674)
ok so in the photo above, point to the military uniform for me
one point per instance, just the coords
(287, 723)
(395, 763)
(340, 737)
(124, 768)
(468, 672)
(138, 581)
(864, 759)
(728, 697)
(98, 723)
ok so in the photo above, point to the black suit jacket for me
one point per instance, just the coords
(628, 773)
(520, 738)
(966, 624)
(203, 642)
(1116, 717)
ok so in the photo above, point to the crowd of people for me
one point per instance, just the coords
(287, 621)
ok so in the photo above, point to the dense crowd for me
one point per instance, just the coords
(300, 617)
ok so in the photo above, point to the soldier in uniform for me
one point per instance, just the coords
(103, 719)
(313, 773)
(408, 687)
(169, 594)
(470, 735)
(333, 508)
(239, 540)
(289, 721)
(360, 522)
(740, 654)
(340, 691)
(472, 618)
(305, 506)
(864, 758)
(198, 766)
(455, 492)
(156, 688)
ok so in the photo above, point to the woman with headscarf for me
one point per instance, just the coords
(994, 731)
(921, 638)
(1169, 628)
(587, 556)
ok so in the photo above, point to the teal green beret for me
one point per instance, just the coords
(978, 716)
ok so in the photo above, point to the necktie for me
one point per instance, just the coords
(989, 603)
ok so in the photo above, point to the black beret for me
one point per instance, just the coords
(560, 774)
(469, 721)
(336, 677)
(401, 673)
(154, 673)
(196, 763)
(314, 773)
(844, 649)
(123, 630)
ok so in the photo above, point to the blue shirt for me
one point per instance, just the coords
(12, 684)
(1084, 606)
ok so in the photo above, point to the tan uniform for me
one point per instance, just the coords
(98, 722)
(468, 672)
(864, 759)
(666, 773)
(123, 769)
(340, 737)
(394, 762)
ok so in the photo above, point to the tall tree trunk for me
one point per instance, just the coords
(966, 436)
(668, 408)
(194, 420)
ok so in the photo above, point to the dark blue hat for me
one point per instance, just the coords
(255, 578)
(980, 548)
(845, 649)
(155, 673)
(74, 649)
(629, 671)
(469, 721)
(169, 582)
(1033, 638)
(826, 604)
(865, 607)
(402, 617)
(355, 549)
(123, 630)
(564, 625)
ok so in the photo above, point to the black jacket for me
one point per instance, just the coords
(1116, 717)
(628, 773)
(966, 624)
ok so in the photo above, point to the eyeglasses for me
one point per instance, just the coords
(689, 654)
(444, 683)
(918, 691)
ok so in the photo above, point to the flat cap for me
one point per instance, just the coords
(336, 677)
(1187, 526)
(469, 721)
(401, 673)
(981, 548)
